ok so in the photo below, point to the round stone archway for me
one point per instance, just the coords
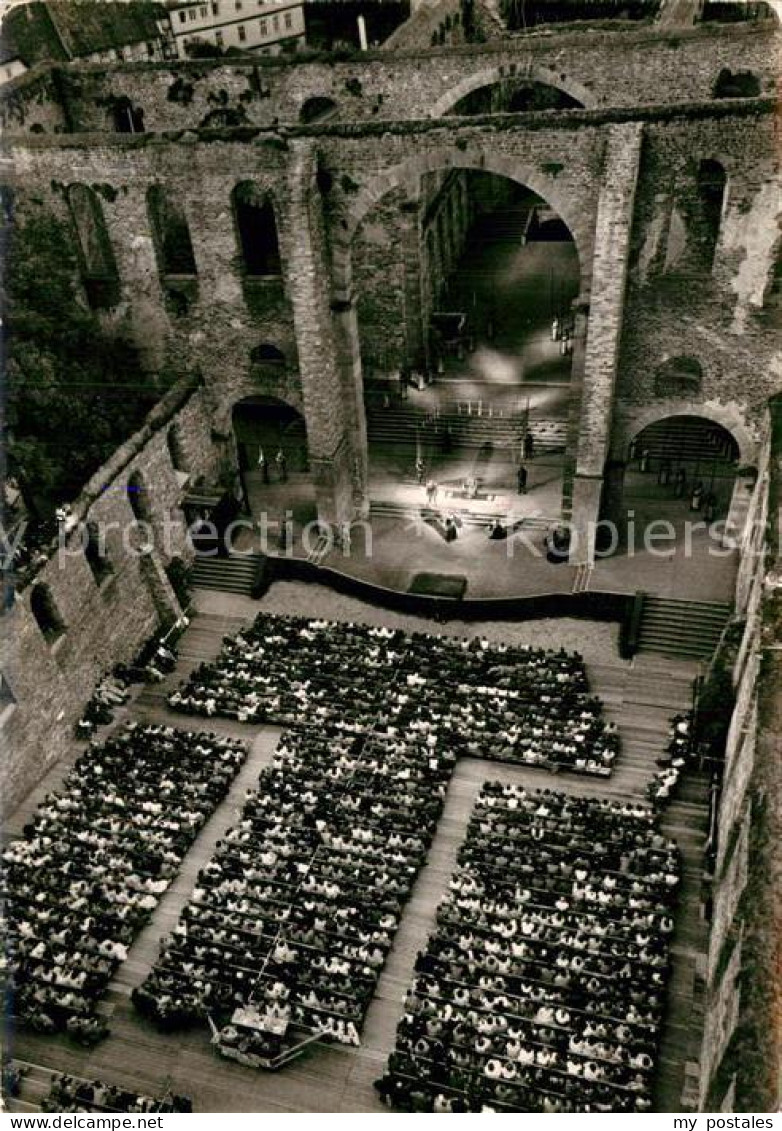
(491, 76)
(630, 424)
(579, 220)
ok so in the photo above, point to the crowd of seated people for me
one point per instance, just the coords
(156, 659)
(68, 1093)
(93, 863)
(542, 986)
(291, 920)
(510, 703)
(680, 752)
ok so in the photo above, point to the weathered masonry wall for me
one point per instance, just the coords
(740, 1041)
(722, 317)
(404, 251)
(718, 317)
(104, 623)
(624, 67)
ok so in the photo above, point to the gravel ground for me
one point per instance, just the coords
(597, 641)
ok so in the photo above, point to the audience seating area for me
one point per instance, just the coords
(292, 919)
(542, 987)
(94, 862)
(513, 704)
(68, 1093)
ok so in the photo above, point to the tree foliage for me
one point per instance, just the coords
(74, 391)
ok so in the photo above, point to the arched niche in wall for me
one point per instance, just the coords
(256, 228)
(126, 117)
(171, 231)
(176, 448)
(173, 250)
(46, 613)
(319, 108)
(138, 497)
(96, 256)
(267, 354)
(736, 84)
(96, 553)
(696, 219)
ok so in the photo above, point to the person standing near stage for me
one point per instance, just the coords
(282, 466)
(263, 466)
(521, 478)
(420, 469)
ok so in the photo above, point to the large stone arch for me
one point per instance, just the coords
(490, 76)
(631, 422)
(579, 222)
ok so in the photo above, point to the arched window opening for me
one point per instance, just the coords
(267, 354)
(710, 186)
(738, 84)
(176, 449)
(96, 256)
(128, 119)
(46, 614)
(515, 96)
(172, 235)
(318, 109)
(96, 554)
(7, 697)
(257, 231)
(138, 497)
(678, 377)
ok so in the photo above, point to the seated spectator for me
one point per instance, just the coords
(542, 987)
(510, 703)
(93, 863)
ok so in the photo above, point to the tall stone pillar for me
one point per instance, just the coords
(606, 310)
(327, 345)
(580, 307)
(410, 238)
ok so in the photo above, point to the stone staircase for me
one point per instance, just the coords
(686, 440)
(687, 629)
(236, 574)
(505, 224)
(467, 428)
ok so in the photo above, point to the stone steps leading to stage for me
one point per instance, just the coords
(689, 629)
(229, 575)
(411, 426)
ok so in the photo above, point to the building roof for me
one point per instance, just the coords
(29, 34)
(41, 31)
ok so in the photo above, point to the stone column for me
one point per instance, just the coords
(580, 309)
(607, 293)
(327, 341)
(410, 244)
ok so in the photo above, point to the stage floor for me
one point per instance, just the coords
(396, 543)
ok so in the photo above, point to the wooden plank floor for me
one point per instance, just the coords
(641, 697)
